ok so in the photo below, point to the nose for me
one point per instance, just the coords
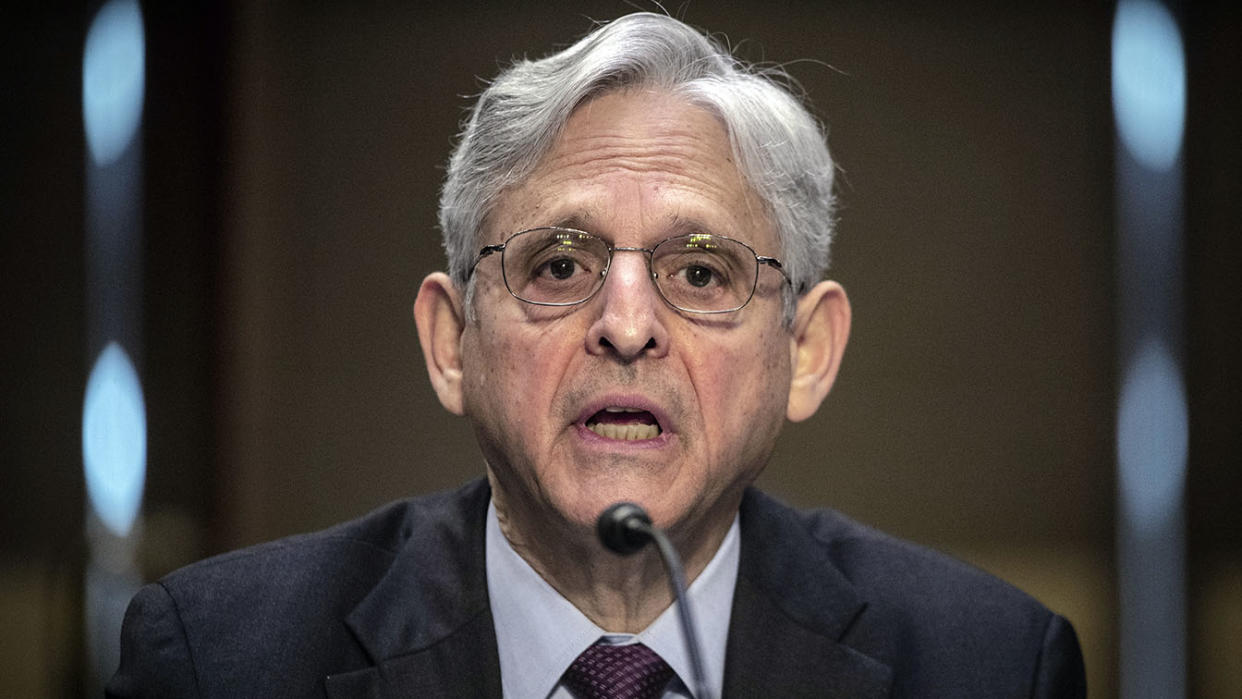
(630, 321)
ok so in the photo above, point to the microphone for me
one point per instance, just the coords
(625, 528)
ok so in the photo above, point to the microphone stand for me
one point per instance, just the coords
(625, 528)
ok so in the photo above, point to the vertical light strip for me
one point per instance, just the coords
(1149, 104)
(114, 428)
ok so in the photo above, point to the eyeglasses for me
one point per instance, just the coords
(695, 273)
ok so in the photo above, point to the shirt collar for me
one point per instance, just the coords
(539, 632)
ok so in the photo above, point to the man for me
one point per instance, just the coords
(636, 230)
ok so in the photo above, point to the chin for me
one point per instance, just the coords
(664, 510)
(584, 509)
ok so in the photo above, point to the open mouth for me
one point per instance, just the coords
(624, 424)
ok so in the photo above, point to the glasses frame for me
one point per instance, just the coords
(760, 260)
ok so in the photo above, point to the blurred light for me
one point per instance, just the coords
(113, 79)
(1152, 438)
(1149, 82)
(114, 440)
(1149, 104)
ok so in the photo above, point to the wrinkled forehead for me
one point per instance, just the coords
(637, 158)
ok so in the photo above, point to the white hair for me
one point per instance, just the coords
(779, 146)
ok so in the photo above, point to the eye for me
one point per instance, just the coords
(561, 268)
(698, 275)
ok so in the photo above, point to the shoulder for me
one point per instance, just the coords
(369, 541)
(880, 567)
(937, 621)
(274, 613)
(330, 568)
(906, 574)
(338, 559)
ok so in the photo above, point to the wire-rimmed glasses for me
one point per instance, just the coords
(694, 273)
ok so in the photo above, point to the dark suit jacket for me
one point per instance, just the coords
(396, 604)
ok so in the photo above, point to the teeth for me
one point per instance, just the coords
(614, 409)
(627, 433)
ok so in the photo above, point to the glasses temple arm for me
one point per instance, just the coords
(484, 252)
(776, 265)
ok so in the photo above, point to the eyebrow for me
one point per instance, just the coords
(675, 224)
(681, 225)
(582, 220)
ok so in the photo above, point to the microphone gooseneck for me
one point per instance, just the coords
(625, 528)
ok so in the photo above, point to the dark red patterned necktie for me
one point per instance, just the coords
(618, 672)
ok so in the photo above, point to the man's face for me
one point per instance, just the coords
(708, 392)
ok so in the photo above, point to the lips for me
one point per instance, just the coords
(623, 423)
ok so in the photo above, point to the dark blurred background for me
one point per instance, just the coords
(293, 153)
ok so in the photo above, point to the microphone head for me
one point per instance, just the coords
(624, 528)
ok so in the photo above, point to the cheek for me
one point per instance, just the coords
(523, 365)
(493, 367)
(489, 356)
(756, 368)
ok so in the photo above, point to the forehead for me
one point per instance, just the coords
(638, 164)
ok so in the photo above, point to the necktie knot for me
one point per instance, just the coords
(618, 672)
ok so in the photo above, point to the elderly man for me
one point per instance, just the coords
(636, 230)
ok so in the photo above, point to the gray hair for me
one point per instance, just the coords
(779, 146)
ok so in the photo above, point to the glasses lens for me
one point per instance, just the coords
(554, 265)
(703, 272)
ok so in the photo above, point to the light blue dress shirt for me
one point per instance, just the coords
(539, 632)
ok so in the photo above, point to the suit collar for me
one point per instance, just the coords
(427, 626)
(791, 609)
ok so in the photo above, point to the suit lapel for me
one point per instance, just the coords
(464, 664)
(791, 608)
(427, 626)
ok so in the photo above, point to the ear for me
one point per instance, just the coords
(438, 313)
(821, 328)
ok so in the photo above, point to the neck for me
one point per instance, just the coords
(620, 594)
